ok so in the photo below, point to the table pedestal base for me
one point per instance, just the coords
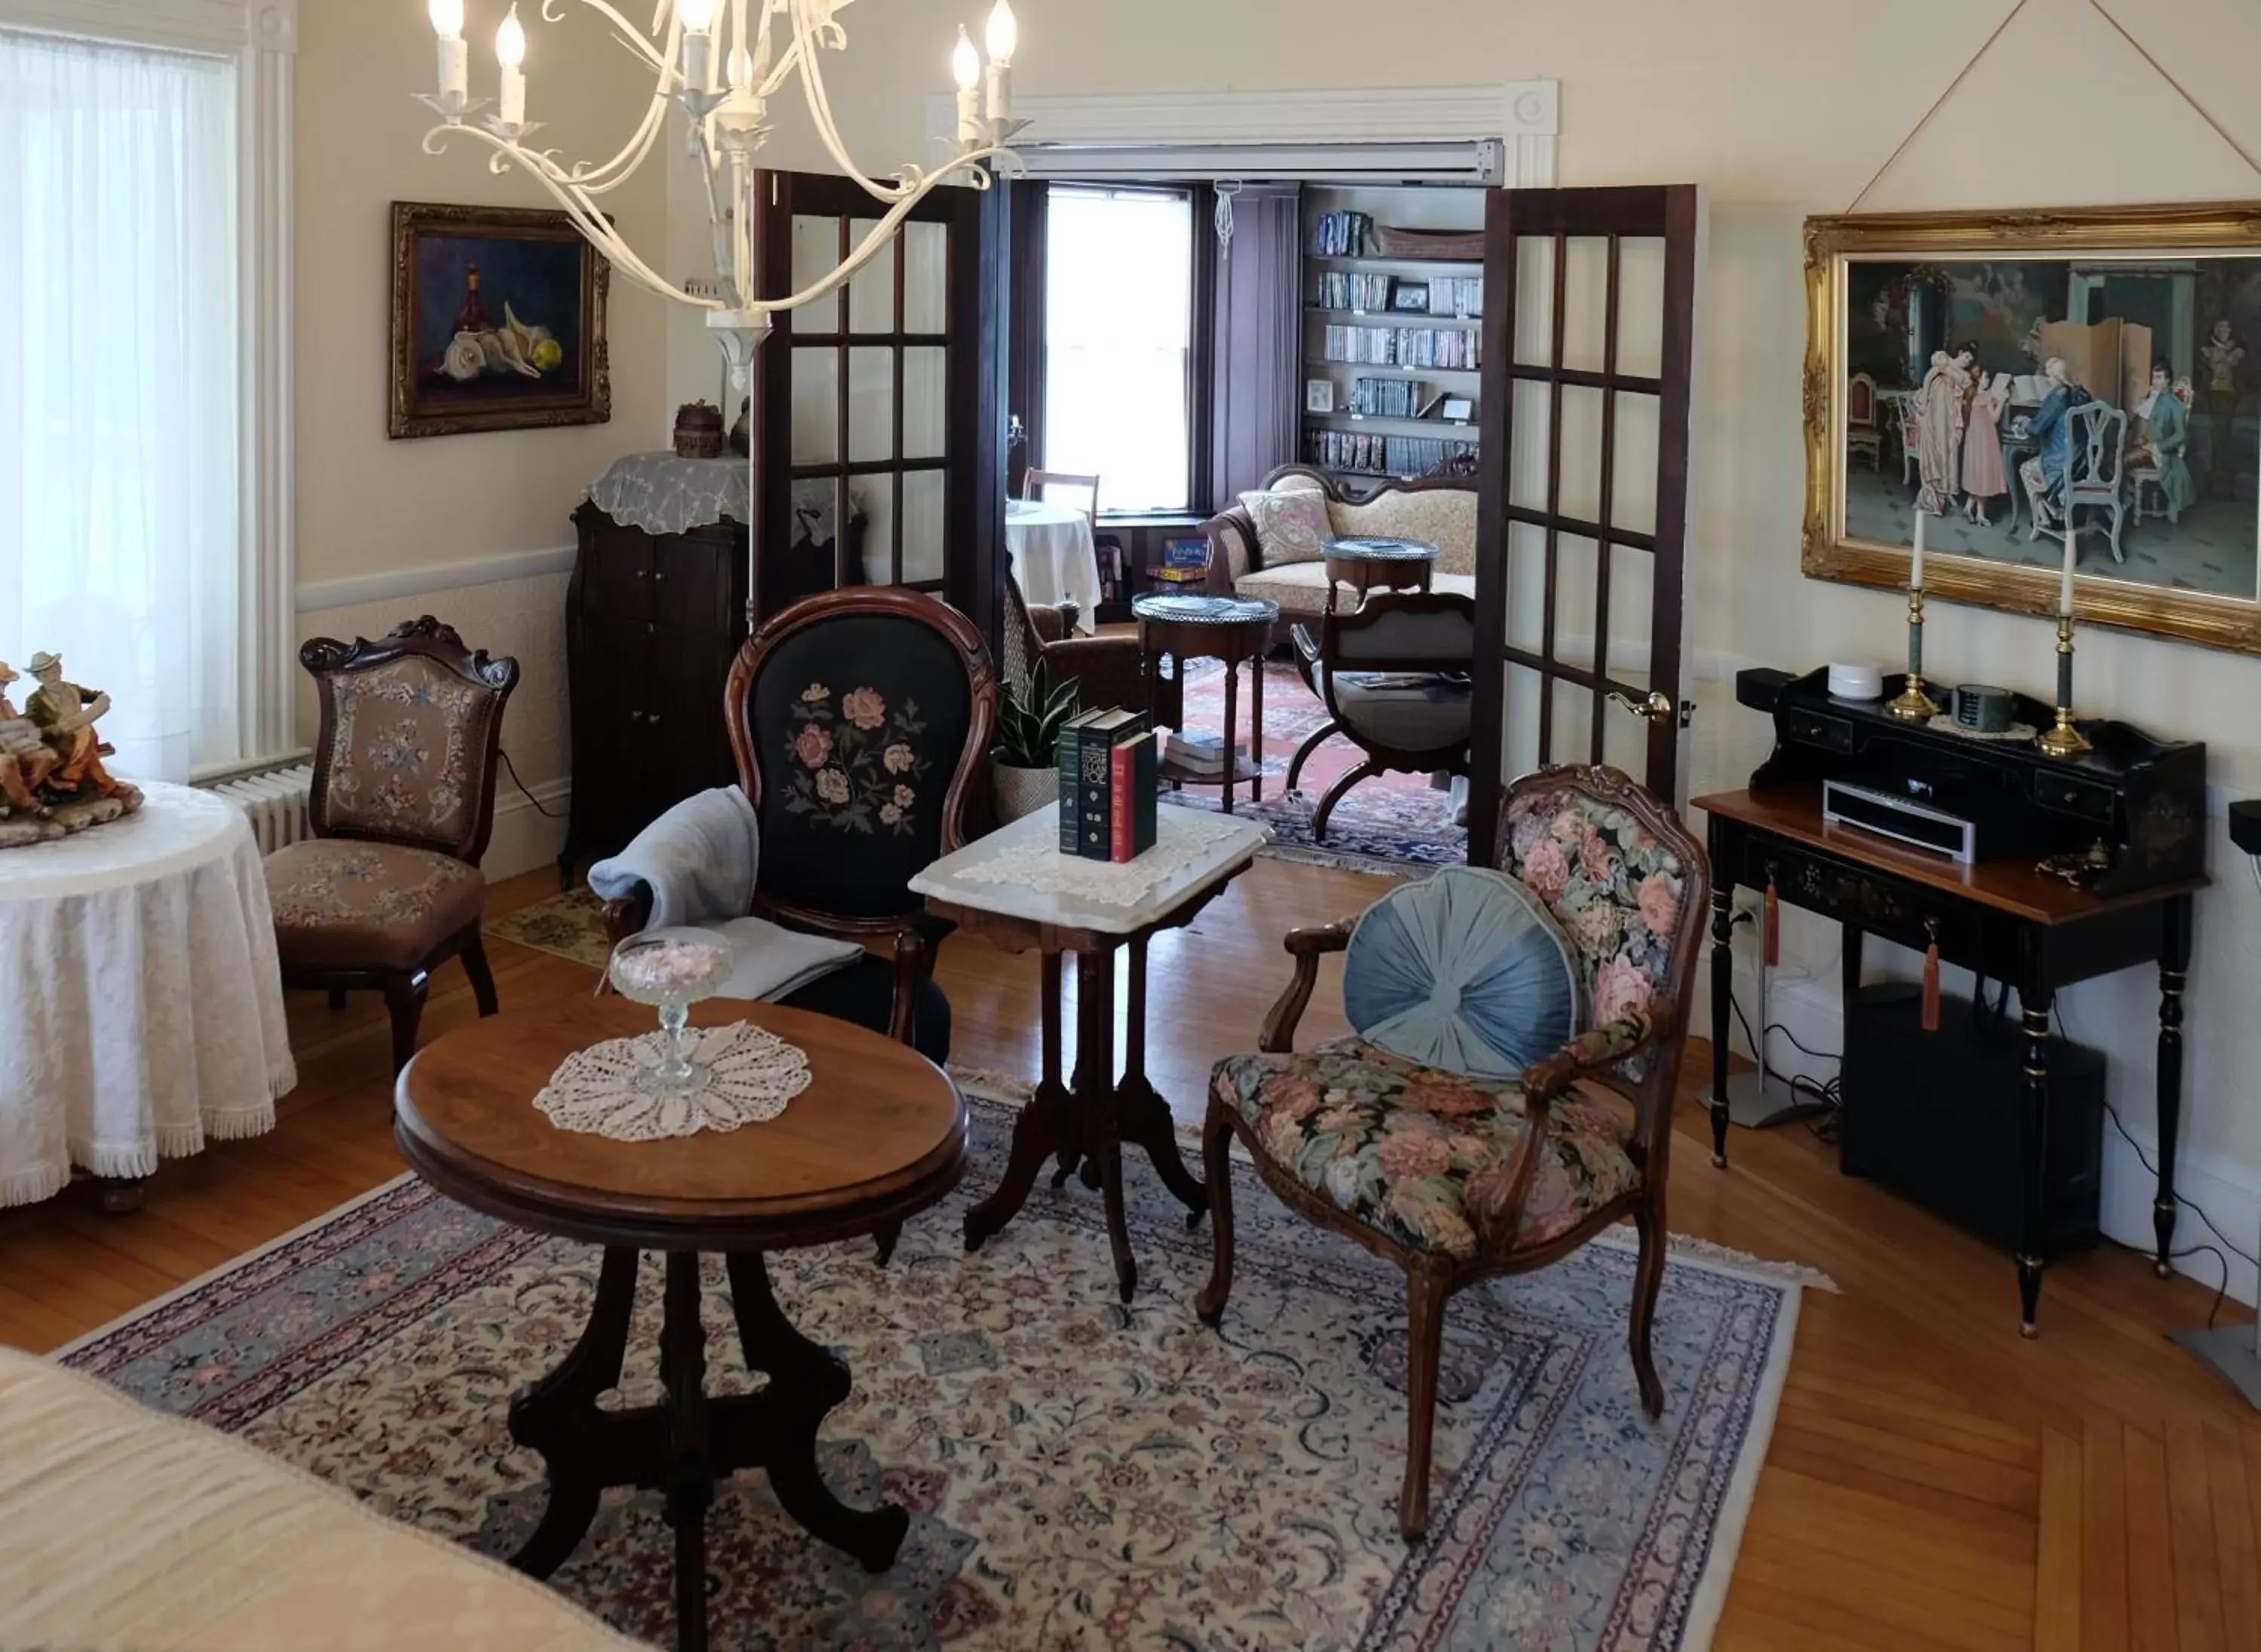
(683, 1445)
(1086, 1125)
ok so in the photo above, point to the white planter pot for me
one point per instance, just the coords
(1023, 790)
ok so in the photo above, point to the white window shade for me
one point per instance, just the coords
(119, 511)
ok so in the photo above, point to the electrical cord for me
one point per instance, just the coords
(522, 785)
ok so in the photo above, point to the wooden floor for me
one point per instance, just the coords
(1934, 1480)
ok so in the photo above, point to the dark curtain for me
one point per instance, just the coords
(1256, 362)
(1024, 344)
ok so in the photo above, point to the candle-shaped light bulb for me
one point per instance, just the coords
(454, 56)
(698, 15)
(510, 52)
(965, 62)
(965, 69)
(1002, 35)
(698, 19)
(1916, 563)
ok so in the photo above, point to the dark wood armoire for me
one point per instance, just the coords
(652, 622)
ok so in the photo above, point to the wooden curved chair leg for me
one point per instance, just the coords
(1647, 1279)
(1426, 1289)
(403, 998)
(1217, 1166)
(1364, 771)
(475, 965)
(1319, 738)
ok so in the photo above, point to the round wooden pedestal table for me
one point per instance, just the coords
(878, 1135)
(1395, 565)
(1183, 627)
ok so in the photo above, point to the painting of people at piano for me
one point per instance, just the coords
(2012, 399)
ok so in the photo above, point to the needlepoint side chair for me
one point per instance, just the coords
(388, 888)
(862, 721)
(1457, 1179)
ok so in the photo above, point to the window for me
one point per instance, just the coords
(121, 543)
(1118, 314)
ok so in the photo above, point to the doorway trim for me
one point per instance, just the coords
(1525, 115)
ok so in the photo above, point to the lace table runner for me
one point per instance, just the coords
(1181, 839)
(745, 1076)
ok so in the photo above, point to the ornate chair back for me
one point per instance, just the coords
(1401, 631)
(860, 720)
(1628, 884)
(1860, 401)
(2098, 446)
(411, 726)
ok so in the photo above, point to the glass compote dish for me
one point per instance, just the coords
(670, 973)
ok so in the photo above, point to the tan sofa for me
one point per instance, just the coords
(126, 1528)
(1441, 510)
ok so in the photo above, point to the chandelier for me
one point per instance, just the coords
(721, 69)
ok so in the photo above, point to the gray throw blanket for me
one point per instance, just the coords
(698, 863)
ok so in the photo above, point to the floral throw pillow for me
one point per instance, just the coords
(1290, 527)
(858, 764)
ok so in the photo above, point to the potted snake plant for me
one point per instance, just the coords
(1024, 761)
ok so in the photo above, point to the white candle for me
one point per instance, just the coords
(965, 69)
(1000, 93)
(510, 52)
(455, 57)
(2071, 556)
(1916, 563)
(698, 60)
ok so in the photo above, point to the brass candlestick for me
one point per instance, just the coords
(1913, 704)
(2064, 740)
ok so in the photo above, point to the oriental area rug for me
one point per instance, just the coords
(1079, 1473)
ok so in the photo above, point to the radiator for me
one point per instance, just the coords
(276, 802)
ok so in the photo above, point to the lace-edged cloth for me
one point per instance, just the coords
(1181, 839)
(746, 1074)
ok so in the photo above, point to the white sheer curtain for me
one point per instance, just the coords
(118, 360)
(1118, 314)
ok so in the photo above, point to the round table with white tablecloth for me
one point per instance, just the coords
(1053, 557)
(141, 1001)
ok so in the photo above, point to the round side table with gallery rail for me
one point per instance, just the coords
(1395, 565)
(1227, 628)
(878, 1135)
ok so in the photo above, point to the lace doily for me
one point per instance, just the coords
(2016, 733)
(745, 1076)
(1181, 839)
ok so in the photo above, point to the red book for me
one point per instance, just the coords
(1125, 773)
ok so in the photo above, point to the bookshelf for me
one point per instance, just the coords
(1388, 369)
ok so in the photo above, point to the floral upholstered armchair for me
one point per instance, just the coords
(1457, 1176)
(389, 888)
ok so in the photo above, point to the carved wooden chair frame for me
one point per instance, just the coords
(1645, 1075)
(1319, 676)
(325, 658)
(916, 934)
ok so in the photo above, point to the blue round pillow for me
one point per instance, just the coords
(1465, 970)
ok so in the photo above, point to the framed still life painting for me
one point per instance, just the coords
(497, 321)
(2035, 384)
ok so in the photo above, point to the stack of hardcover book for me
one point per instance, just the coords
(1200, 755)
(1108, 782)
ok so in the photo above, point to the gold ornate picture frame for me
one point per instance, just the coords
(2106, 363)
(497, 321)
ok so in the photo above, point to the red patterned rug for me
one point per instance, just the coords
(1384, 821)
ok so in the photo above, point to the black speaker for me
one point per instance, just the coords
(1935, 1115)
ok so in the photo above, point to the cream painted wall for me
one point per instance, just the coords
(1781, 108)
(368, 504)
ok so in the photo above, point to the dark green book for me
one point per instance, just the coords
(1068, 753)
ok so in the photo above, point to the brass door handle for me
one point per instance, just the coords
(1656, 708)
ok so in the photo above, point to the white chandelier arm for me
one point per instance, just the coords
(880, 234)
(820, 108)
(632, 37)
(598, 179)
(578, 207)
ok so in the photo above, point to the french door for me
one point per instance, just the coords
(1589, 340)
(879, 432)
